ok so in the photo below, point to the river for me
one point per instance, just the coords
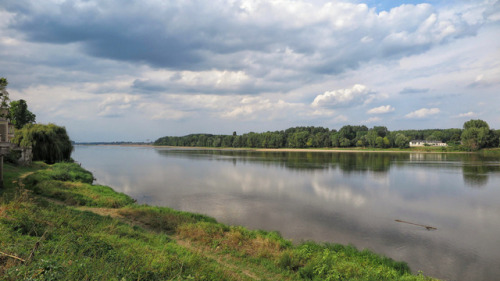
(348, 198)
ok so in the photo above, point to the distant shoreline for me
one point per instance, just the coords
(322, 150)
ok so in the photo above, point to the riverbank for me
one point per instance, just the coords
(421, 149)
(56, 225)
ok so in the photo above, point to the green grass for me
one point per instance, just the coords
(79, 245)
(56, 225)
(161, 219)
(72, 185)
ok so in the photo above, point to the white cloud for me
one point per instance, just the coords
(58, 103)
(216, 81)
(423, 113)
(372, 120)
(468, 114)
(358, 94)
(258, 108)
(158, 111)
(323, 112)
(340, 119)
(488, 79)
(117, 105)
(381, 109)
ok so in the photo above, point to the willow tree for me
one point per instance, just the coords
(50, 143)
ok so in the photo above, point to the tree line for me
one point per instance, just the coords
(475, 135)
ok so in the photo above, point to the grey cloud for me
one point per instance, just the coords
(409, 90)
(146, 86)
(480, 82)
(189, 35)
(149, 86)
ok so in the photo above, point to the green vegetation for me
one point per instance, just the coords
(477, 135)
(19, 115)
(378, 137)
(4, 95)
(50, 143)
(56, 225)
(71, 184)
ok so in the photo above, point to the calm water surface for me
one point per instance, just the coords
(334, 197)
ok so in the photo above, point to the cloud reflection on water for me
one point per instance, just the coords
(333, 197)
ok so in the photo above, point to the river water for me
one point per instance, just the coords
(348, 198)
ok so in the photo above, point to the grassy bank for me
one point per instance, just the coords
(56, 225)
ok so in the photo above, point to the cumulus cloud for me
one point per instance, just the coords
(423, 113)
(381, 109)
(358, 94)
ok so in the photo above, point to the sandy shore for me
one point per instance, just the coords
(319, 150)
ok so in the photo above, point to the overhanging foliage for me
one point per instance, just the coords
(50, 143)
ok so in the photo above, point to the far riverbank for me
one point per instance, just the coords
(491, 151)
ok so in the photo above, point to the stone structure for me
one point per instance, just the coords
(23, 155)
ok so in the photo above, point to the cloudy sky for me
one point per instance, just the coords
(111, 70)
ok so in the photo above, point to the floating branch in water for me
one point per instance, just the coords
(426, 226)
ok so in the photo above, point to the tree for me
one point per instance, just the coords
(335, 139)
(386, 142)
(476, 134)
(379, 142)
(435, 136)
(476, 124)
(371, 138)
(347, 132)
(50, 143)
(19, 114)
(402, 141)
(381, 131)
(298, 139)
(360, 143)
(345, 142)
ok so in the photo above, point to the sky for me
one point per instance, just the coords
(137, 70)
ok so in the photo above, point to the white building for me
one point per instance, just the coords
(414, 143)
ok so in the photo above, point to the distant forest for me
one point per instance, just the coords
(347, 136)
